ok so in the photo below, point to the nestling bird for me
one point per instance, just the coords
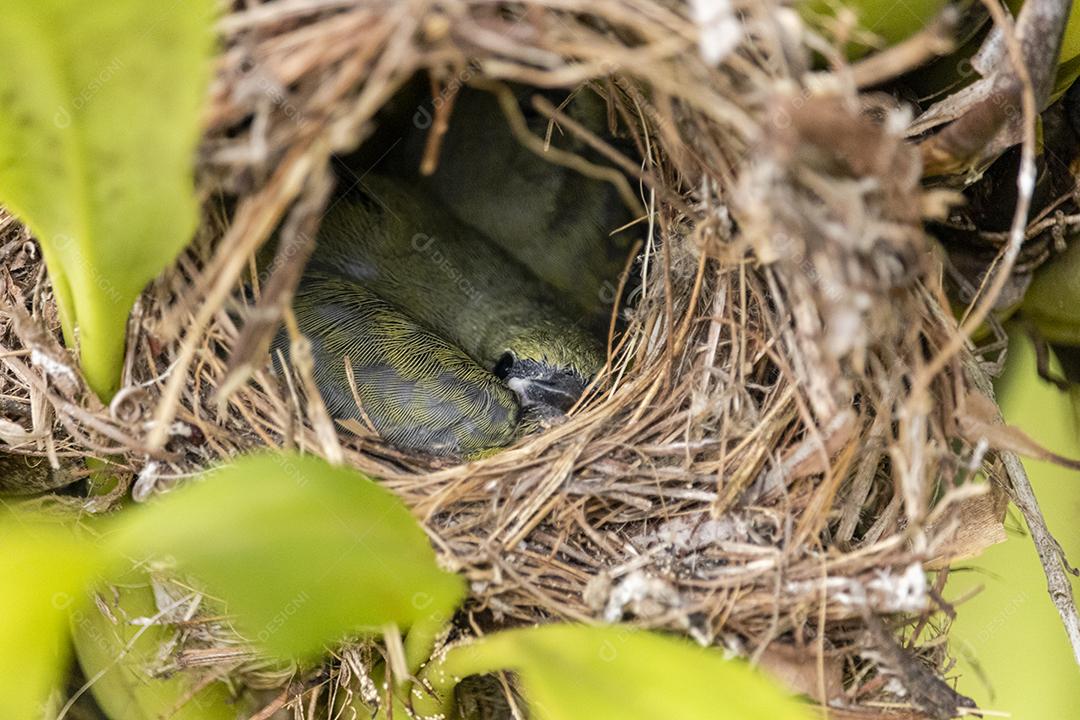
(413, 254)
(554, 220)
(417, 390)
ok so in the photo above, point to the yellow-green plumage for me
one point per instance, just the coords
(455, 347)
(418, 391)
(415, 255)
(554, 220)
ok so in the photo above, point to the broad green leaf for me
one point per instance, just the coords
(1070, 42)
(99, 118)
(886, 19)
(593, 673)
(43, 570)
(302, 552)
(122, 657)
(1052, 300)
(1012, 654)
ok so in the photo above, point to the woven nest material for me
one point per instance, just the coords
(773, 455)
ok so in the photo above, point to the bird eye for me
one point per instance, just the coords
(502, 368)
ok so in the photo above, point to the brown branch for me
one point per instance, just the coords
(1046, 545)
(439, 127)
(959, 145)
(1017, 59)
(1049, 550)
(1001, 270)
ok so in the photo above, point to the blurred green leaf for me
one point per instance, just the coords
(302, 552)
(43, 569)
(1070, 43)
(122, 656)
(1013, 617)
(1052, 300)
(891, 21)
(592, 673)
(99, 118)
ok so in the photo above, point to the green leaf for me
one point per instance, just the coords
(1009, 616)
(43, 569)
(121, 656)
(885, 19)
(99, 118)
(591, 673)
(302, 552)
(1052, 300)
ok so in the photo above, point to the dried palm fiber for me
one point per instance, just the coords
(762, 466)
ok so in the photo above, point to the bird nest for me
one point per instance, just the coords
(773, 455)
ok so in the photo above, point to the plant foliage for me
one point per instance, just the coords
(99, 119)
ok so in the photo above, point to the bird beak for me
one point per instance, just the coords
(557, 394)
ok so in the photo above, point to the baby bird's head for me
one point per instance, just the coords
(548, 370)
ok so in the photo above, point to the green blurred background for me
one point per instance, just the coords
(1013, 655)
